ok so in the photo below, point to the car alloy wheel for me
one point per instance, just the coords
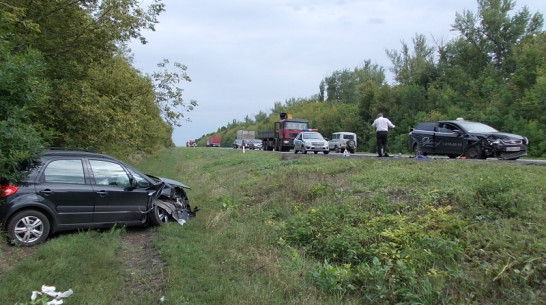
(474, 152)
(158, 216)
(417, 149)
(28, 228)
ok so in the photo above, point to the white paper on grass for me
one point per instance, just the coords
(51, 291)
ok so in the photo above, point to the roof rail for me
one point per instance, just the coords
(69, 148)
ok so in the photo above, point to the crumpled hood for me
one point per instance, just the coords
(174, 182)
(169, 181)
(504, 136)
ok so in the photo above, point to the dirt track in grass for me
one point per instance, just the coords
(143, 264)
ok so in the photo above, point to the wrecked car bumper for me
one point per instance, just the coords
(172, 203)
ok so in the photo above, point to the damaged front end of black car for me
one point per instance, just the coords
(171, 204)
(460, 138)
(504, 146)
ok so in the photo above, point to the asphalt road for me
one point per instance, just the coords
(521, 161)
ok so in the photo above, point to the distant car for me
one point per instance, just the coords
(255, 144)
(343, 140)
(310, 141)
(71, 189)
(472, 140)
(240, 143)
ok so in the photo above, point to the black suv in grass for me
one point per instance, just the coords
(72, 189)
(465, 138)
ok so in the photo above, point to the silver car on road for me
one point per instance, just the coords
(310, 141)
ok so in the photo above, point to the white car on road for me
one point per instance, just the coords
(310, 141)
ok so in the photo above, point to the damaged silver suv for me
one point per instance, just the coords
(72, 189)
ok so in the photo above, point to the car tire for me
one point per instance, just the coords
(418, 150)
(28, 228)
(474, 152)
(158, 216)
(350, 145)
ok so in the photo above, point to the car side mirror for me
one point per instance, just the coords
(458, 132)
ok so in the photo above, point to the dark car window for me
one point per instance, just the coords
(475, 127)
(109, 173)
(64, 171)
(427, 126)
(447, 128)
(312, 135)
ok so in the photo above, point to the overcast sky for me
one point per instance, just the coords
(245, 55)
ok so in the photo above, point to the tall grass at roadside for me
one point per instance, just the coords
(285, 229)
(84, 262)
(372, 231)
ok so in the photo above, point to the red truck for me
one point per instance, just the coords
(281, 138)
(214, 141)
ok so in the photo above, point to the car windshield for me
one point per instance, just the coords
(312, 135)
(475, 127)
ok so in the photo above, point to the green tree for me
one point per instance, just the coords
(89, 69)
(22, 90)
(417, 67)
(118, 112)
(345, 86)
(495, 34)
(169, 96)
(260, 117)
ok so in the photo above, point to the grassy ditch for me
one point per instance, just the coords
(320, 230)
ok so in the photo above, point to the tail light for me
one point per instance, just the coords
(6, 190)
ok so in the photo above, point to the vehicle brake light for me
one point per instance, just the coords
(6, 190)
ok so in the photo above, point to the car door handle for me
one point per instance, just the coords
(102, 193)
(46, 192)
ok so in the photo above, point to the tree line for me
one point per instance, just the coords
(493, 72)
(67, 80)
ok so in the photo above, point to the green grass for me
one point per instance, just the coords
(321, 230)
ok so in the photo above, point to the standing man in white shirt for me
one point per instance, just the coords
(382, 126)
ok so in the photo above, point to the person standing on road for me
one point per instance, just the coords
(382, 126)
